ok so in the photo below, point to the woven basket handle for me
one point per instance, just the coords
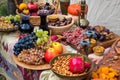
(56, 4)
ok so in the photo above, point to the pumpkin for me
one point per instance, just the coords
(74, 8)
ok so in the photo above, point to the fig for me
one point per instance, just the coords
(97, 34)
(102, 37)
(107, 30)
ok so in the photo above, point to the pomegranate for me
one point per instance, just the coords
(76, 65)
(33, 8)
(87, 65)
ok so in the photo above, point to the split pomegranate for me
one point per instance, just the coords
(76, 65)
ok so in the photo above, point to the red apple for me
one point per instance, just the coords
(50, 54)
(54, 37)
(76, 65)
(58, 47)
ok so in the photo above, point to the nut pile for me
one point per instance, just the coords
(31, 56)
(61, 66)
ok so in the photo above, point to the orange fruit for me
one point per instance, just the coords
(23, 6)
(25, 11)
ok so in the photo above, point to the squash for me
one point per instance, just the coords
(72, 9)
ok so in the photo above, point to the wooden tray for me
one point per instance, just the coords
(32, 67)
(108, 43)
(105, 44)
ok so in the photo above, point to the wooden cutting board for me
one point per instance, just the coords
(32, 67)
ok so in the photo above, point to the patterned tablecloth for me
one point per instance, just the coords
(11, 71)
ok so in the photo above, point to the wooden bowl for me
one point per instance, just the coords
(58, 30)
(82, 76)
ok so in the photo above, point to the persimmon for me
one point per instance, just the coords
(23, 6)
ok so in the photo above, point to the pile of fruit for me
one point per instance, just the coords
(59, 21)
(74, 36)
(36, 48)
(71, 65)
(32, 8)
(101, 33)
(42, 39)
(26, 42)
(78, 36)
(9, 21)
(105, 73)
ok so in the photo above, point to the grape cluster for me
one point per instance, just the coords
(15, 20)
(42, 36)
(26, 42)
(74, 36)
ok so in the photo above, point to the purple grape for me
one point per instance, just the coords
(102, 37)
(107, 30)
(97, 34)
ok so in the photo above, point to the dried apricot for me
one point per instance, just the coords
(94, 75)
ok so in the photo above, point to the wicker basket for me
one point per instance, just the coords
(35, 20)
(58, 30)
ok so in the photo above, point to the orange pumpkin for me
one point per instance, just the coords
(72, 9)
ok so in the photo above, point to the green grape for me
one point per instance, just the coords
(11, 17)
(40, 31)
(18, 17)
(45, 32)
(15, 19)
(45, 39)
(37, 34)
(44, 35)
(7, 18)
(38, 41)
(42, 40)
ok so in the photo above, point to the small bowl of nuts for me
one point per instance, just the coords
(72, 66)
(59, 23)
